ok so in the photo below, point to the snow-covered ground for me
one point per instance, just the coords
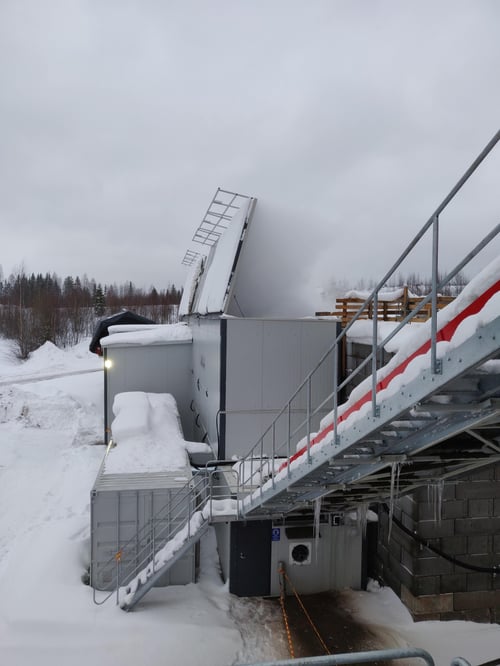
(50, 427)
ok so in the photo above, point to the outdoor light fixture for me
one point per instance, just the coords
(108, 363)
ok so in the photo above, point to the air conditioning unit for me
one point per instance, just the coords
(300, 553)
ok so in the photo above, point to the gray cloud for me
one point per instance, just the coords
(348, 121)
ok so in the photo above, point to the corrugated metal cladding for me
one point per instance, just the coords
(157, 368)
(121, 511)
(244, 371)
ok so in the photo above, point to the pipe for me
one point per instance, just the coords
(359, 657)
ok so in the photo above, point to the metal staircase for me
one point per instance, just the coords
(143, 561)
(433, 412)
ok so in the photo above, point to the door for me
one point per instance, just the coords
(250, 552)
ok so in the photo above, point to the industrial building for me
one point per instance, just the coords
(289, 441)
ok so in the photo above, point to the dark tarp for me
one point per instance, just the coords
(101, 330)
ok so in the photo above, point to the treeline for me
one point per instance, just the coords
(39, 308)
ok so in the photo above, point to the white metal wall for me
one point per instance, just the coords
(164, 368)
(335, 559)
(266, 360)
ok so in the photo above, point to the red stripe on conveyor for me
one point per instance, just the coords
(445, 334)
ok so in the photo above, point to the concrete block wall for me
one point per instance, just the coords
(467, 527)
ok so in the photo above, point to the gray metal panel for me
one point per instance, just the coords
(205, 380)
(266, 360)
(162, 368)
(281, 362)
(335, 560)
(117, 516)
(223, 534)
(346, 565)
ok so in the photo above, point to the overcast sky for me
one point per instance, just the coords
(349, 121)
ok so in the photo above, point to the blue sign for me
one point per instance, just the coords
(276, 534)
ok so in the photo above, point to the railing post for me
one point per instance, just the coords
(335, 391)
(153, 532)
(288, 437)
(375, 408)
(274, 455)
(435, 362)
(261, 466)
(118, 562)
(406, 308)
(252, 456)
(309, 419)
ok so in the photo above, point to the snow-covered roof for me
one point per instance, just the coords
(130, 334)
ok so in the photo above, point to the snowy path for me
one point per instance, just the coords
(29, 379)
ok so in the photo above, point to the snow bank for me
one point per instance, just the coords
(380, 607)
(48, 360)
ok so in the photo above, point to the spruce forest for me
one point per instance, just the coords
(38, 308)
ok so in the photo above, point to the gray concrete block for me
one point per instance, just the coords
(480, 544)
(477, 582)
(475, 490)
(433, 566)
(428, 529)
(454, 509)
(423, 585)
(454, 545)
(475, 526)
(476, 600)
(456, 582)
(479, 508)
